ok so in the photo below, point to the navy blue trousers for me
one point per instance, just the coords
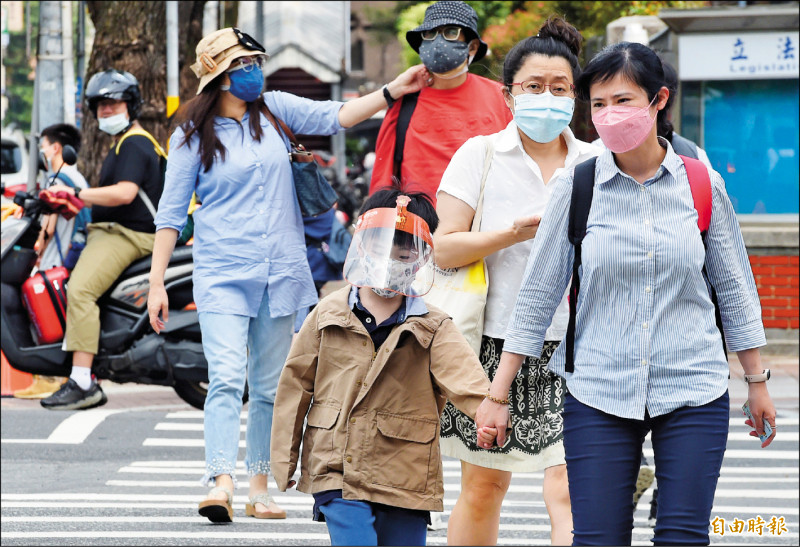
(603, 454)
(352, 522)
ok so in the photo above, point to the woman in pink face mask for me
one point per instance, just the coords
(626, 107)
(647, 356)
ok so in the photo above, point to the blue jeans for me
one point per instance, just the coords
(238, 347)
(352, 522)
(603, 454)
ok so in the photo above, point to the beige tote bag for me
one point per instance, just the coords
(461, 292)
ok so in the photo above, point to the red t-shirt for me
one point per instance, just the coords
(442, 121)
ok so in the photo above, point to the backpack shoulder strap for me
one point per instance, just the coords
(581, 202)
(82, 218)
(407, 106)
(700, 184)
(487, 163)
(582, 192)
(65, 179)
(683, 146)
(142, 132)
(160, 151)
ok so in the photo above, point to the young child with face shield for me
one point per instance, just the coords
(369, 373)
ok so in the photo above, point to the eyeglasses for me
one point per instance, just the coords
(559, 89)
(450, 32)
(246, 63)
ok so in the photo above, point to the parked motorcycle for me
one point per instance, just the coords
(129, 350)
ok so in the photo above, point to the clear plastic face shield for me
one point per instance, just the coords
(388, 251)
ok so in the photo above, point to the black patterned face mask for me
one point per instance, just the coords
(441, 56)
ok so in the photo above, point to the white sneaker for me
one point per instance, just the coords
(436, 522)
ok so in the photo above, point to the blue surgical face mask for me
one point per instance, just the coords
(441, 56)
(543, 116)
(246, 86)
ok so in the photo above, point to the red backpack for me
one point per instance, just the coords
(582, 191)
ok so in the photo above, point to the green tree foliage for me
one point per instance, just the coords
(19, 88)
(503, 23)
(409, 19)
(590, 18)
(19, 77)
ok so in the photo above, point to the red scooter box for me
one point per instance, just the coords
(45, 298)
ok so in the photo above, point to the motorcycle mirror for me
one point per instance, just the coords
(20, 197)
(42, 166)
(69, 155)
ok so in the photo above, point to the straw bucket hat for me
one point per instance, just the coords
(218, 50)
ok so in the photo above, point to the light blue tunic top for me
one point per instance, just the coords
(645, 336)
(248, 232)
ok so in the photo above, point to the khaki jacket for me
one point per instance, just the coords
(372, 417)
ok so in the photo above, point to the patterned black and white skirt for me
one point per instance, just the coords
(537, 404)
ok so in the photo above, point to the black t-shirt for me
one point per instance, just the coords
(137, 162)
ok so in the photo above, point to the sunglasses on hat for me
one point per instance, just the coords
(248, 41)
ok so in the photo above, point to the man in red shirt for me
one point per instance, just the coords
(457, 105)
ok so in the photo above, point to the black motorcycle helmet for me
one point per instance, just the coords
(114, 84)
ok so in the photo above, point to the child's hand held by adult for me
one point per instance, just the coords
(486, 437)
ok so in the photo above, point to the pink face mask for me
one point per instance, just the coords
(623, 128)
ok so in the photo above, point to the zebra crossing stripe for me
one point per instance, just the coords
(165, 534)
(454, 488)
(264, 536)
(760, 454)
(198, 415)
(738, 511)
(648, 452)
(185, 443)
(792, 436)
(292, 502)
(183, 426)
(751, 472)
(176, 463)
(456, 464)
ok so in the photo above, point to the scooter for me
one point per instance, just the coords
(129, 350)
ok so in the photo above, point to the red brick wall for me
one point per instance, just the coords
(777, 280)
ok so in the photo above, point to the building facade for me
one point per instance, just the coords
(738, 99)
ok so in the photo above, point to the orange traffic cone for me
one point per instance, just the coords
(11, 379)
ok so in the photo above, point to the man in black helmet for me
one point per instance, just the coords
(121, 230)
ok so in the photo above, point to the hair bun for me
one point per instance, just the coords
(558, 29)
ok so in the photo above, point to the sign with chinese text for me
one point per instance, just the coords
(738, 56)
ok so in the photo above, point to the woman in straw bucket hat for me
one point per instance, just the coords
(251, 274)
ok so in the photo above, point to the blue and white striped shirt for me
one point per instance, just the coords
(645, 337)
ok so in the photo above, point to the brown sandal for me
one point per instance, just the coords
(217, 510)
(266, 499)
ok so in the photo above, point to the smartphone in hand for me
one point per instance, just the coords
(767, 427)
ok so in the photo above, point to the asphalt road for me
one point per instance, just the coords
(127, 474)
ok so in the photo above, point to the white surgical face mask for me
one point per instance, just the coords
(113, 124)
